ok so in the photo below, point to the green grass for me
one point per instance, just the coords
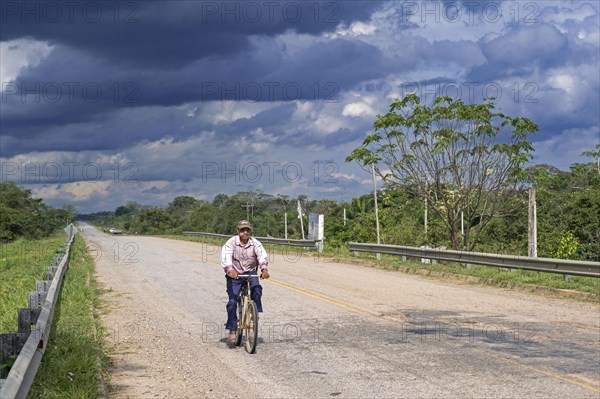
(21, 264)
(486, 275)
(75, 358)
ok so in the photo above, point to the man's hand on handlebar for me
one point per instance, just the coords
(264, 274)
(233, 274)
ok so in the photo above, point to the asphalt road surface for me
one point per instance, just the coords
(333, 330)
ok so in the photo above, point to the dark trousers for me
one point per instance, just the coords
(233, 292)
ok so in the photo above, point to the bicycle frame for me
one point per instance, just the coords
(247, 315)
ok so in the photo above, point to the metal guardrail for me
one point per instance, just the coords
(23, 371)
(263, 240)
(561, 266)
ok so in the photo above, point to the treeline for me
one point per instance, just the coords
(24, 216)
(568, 213)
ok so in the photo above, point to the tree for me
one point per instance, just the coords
(24, 216)
(182, 202)
(71, 212)
(594, 154)
(154, 220)
(203, 217)
(180, 210)
(461, 158)
(132, 208)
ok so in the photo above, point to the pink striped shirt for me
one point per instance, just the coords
(243, 258)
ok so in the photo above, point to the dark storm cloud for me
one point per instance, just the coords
(272, 119)
(71, 88)
(169, 34)
(110, 56)
(520, 51)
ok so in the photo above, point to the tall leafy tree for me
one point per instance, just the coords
(464, 159)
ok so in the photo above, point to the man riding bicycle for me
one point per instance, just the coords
(242, 254)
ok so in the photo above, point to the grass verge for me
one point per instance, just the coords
(75, 363)
(21, 264)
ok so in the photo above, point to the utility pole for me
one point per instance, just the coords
(285, 221)
(426, 204)
(248, 206)
(532, 225)
(376, 208)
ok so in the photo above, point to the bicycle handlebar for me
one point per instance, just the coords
(248, 275)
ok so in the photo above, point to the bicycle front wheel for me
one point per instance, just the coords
(251, 328)
(240, 329)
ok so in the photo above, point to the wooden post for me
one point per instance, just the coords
(378, 255)
(532, 226)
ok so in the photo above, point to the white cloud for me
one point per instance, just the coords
(72, 192)
(577, 85)
(354, 30)
(558, 15)
(319, 118)
(224, 112)
(563, 81)
(16, 55)
(261, 142)
(358, 109)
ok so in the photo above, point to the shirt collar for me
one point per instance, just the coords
(238, 242)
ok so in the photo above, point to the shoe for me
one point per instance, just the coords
(232, 334)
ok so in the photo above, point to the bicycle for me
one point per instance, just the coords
(247, 316)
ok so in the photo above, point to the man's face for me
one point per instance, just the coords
(244, 232)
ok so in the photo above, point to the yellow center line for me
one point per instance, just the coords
(325, 298)
(584, 379)
(559, 377)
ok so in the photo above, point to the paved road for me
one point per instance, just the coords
(334, 330)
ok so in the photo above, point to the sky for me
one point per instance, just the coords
(106, 102)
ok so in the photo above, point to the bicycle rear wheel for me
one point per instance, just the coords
(251, 328)
(240, 315)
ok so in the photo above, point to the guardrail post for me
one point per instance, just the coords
(42, 285)
(10, 345)
(435, 261)
(36, 299)
(27, 317)
(319, 246)
(567, 277)
(51, 272)
(425, 260)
